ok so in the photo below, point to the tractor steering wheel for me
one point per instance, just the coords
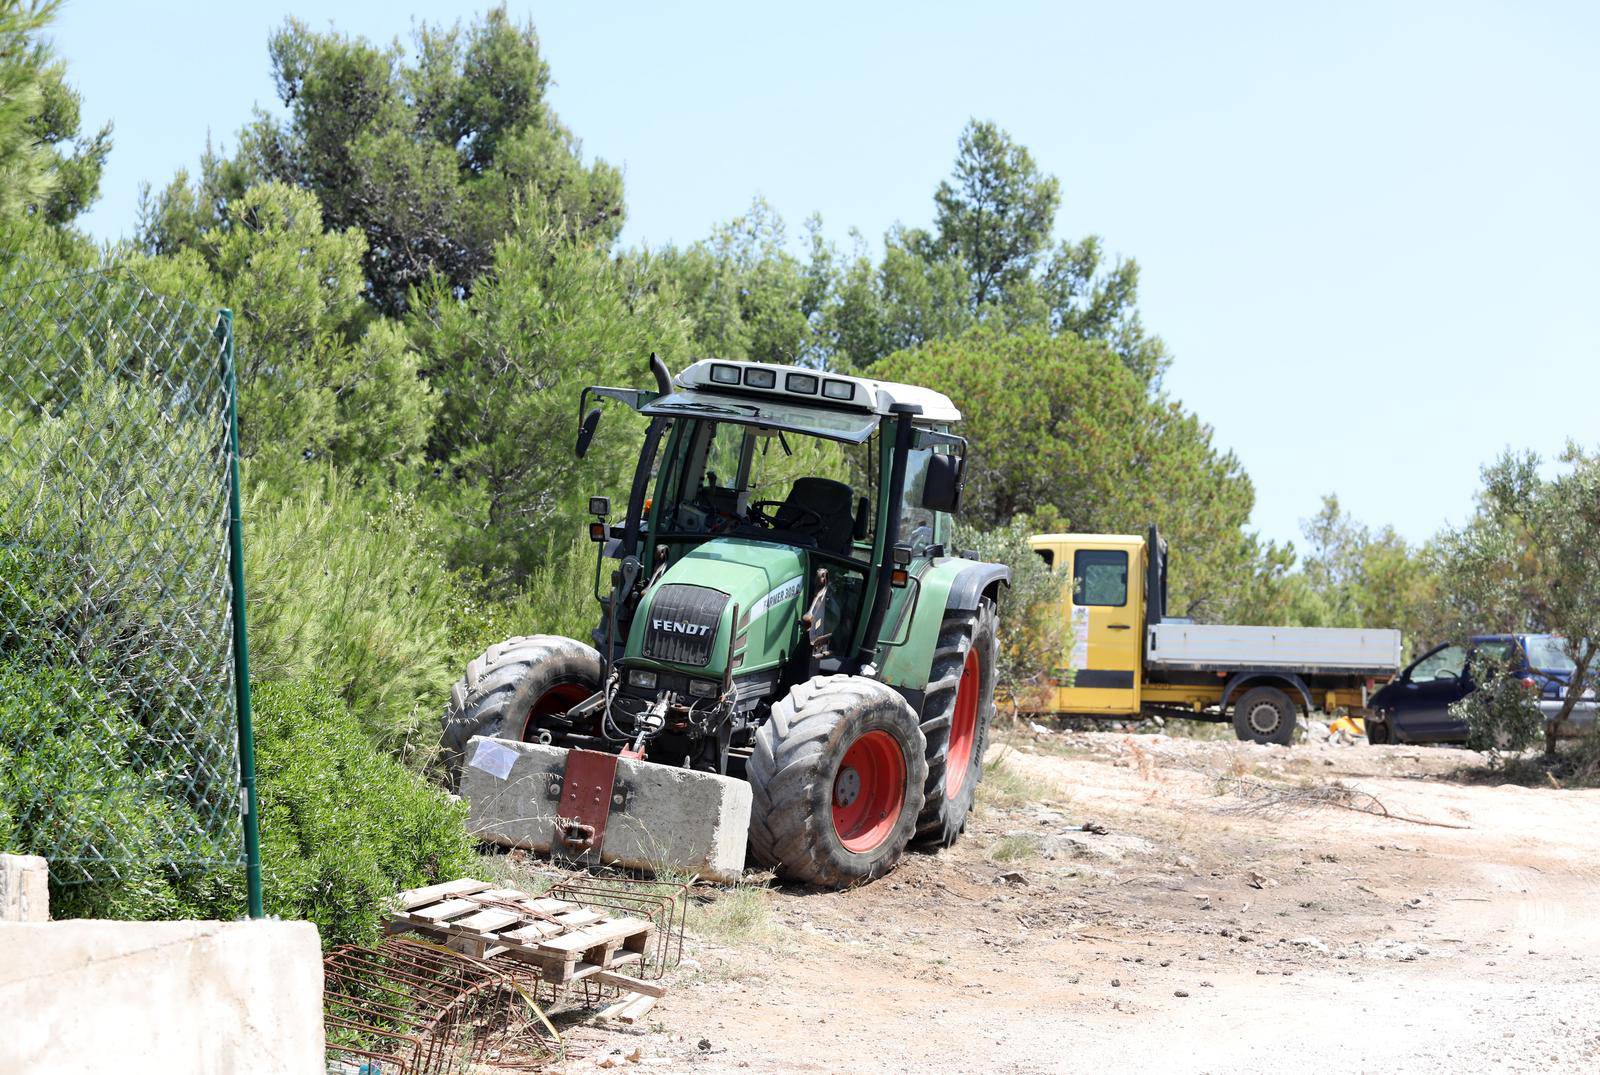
(810, 522)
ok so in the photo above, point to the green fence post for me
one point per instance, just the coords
(241, 639)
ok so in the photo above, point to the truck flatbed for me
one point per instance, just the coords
(1306, 650)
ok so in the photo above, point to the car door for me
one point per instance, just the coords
(1428, 688)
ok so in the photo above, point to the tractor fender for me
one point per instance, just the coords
(951, 584)
(1265, 678)
(974, 580)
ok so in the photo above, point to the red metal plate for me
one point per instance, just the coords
(586, 798)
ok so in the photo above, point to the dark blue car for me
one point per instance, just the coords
(1415, 706)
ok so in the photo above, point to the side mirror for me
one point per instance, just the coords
(941, 487)
(591, 422)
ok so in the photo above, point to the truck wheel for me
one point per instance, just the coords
(1264, 715)
(511, 683)
(836, 781)
(955, 721)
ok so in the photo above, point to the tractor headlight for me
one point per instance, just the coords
(758, 378)
(642, 677)
(703, 688)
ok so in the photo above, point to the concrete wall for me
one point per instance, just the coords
(160, 998)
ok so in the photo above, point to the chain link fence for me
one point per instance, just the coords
(119, 710)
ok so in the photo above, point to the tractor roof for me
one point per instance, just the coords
(799, 385)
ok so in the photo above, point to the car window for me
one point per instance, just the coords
(1100, 577)
(1445, 662)
(1548, 653)
(1497, 653)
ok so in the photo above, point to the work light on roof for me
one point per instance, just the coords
(725, 374)
(801, 382)
(839, 390)
(759, 378)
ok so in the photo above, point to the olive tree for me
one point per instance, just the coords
(1529, 560)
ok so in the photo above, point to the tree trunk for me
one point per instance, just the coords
(1575, 688)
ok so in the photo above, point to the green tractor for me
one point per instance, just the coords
(786, 606)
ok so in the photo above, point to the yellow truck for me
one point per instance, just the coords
(1128, 658)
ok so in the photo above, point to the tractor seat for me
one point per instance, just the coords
(830, 500)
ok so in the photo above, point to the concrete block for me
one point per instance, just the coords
(698, 822)
(24, 889)
(161, 998)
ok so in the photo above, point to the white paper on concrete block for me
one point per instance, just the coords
(494, 758)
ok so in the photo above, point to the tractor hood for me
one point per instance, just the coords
(685, 618)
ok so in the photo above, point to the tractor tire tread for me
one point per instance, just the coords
(943, 818)
(495, 680)
(791, 772)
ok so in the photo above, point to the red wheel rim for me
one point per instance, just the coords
(963, 727)
(868, 792)
(557, 699)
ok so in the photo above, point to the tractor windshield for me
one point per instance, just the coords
(729, 477)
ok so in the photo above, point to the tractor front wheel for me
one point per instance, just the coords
(511, 685)
(837, 780)
(955, 721)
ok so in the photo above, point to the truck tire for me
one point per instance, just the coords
(1264, 715)
(955, 721)
(509, 684)
(836, 781)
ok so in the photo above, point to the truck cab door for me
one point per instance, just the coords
(1105, 617)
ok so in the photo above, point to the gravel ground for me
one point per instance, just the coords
(1326, 907)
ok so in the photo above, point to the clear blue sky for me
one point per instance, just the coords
(1368, 233)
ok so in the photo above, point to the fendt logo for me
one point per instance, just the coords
(678, 627)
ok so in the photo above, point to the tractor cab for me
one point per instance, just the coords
(849, 483)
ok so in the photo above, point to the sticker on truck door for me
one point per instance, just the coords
(1080, 639)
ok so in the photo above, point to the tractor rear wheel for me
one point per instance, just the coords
(837, 781)
(510, 685)
(955, 721)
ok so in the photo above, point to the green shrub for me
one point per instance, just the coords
(347, 586)
(345, 589)
(1502, 716)
(71, 789)
(1035, 633)
(343, 826)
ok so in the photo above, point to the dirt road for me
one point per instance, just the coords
(1235, 915)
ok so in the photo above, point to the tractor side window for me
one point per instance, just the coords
(723, 455)
(916, 521)
(1100, 577)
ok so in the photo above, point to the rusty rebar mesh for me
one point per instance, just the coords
(406, 1007)
(664, 903)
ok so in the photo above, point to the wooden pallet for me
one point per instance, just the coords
(565, 941)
